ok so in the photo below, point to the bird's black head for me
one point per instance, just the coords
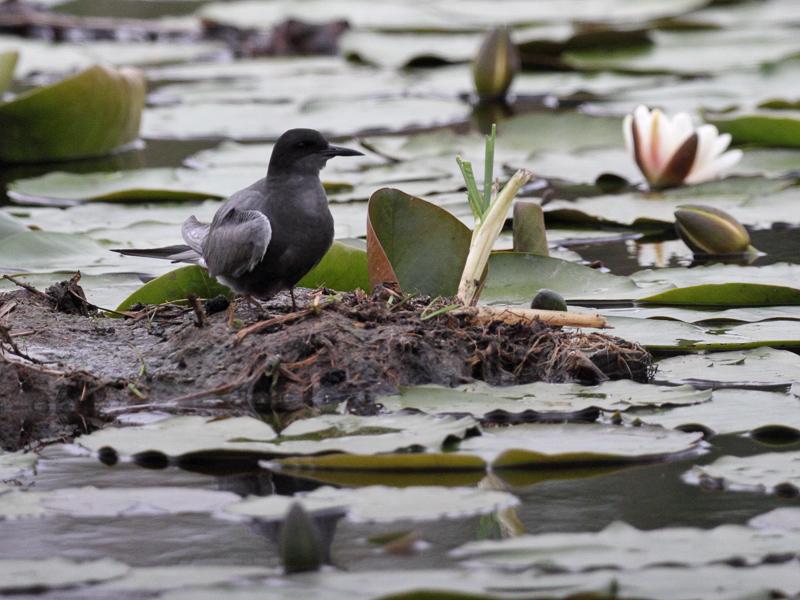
(303, 151)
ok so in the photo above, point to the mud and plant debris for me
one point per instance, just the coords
(75, 370)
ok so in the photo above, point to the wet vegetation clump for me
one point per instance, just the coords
(81, 368)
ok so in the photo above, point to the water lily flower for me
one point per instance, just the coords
(671, 152)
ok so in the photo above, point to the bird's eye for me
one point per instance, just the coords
(302, 144)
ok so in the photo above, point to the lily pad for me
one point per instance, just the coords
(343, 268)
(404, 233)
(734, 411)
(266, 122)
(624, 547)
(36, 575)
(350, 434)
(88, 114)
(515, 278)
(573, 445)
(744, 368)
(693, 53)
(764, 128)
(183, 435)
(176, 285)
(783, 519)
(479, 399)
(379, 504)
(112, 502)
(763, 473)
(658, 334)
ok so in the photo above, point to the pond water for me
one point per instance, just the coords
(707, 58)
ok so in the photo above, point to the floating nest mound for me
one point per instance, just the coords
(66, 367)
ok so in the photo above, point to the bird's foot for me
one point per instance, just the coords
(256, 305)
(294, 303)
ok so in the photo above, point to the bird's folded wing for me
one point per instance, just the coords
(236, 243)
(194, 233)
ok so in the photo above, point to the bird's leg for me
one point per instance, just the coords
(294, 304)
(230, 312)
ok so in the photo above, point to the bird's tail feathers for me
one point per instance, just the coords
(176, 253)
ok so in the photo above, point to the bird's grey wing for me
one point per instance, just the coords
(194, 233)
(236, 242)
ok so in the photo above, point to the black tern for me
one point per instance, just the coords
(266, 237)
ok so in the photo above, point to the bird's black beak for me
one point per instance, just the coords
(332, 151)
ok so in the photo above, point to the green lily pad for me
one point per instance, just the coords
(734, 411)
(764, 128)
(762, 473)
(480, 398)
(37, 575)
(176, 285)
(88, 114)
(624, 547)
(515, 278)
(571, 445)
(112, 502)
(404, 233)
(380, 504)
(8, 61)
(343, 268)
(725, 285)
(759, 367)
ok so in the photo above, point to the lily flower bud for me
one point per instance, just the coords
(710, 231)
(495, 65)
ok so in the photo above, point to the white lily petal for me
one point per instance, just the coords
(727, 160)
(682, 128)
(721, 143)
(627, 133)
(656, 159)
(643, 119)
(714, 168)
(703, 161)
